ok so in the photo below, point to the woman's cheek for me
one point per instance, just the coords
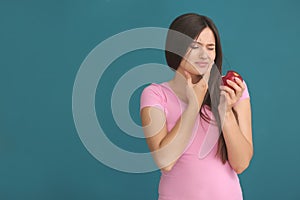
(212, 55)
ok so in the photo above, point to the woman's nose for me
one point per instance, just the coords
(203, 53)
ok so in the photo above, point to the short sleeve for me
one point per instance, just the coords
(245, 94)
(152, 95)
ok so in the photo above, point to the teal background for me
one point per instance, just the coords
(43, 44)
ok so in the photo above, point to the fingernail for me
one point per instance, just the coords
(236, 78)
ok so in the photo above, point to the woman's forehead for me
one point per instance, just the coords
(206, 37)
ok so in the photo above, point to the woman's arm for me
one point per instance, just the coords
(238, 136)
(166, 147)
(237, 129)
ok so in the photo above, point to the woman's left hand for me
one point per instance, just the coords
(229, 96)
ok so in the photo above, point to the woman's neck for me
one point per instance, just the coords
(179, 82)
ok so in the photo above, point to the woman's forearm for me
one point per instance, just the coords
(239, 149)
(174, 143)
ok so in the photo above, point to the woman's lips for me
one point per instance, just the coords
(201, 64)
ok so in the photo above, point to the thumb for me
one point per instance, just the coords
(188, 77)
(207, 73)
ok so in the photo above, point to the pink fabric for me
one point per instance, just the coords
(193, 177)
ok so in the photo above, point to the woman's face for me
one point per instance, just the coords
(200, 54)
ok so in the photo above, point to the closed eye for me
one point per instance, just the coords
(195, 45)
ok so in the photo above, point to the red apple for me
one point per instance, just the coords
(231, 76)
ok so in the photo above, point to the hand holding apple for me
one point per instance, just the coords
(231, 75)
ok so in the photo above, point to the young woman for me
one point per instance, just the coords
(197, 129)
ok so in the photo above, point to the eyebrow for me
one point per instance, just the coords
(210, 44)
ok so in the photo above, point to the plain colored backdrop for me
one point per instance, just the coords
(44, 42)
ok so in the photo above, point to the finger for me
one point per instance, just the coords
(222, 87)
(240, 83)
(224, 102)
(207, 73)
(188, 77)
(223, 93)
(228, 90)
(224, 96)
(237, 88)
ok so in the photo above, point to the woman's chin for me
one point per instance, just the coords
(201, 71)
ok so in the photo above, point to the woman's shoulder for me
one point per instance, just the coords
(154, 95)
(160, 90)
(157, 87)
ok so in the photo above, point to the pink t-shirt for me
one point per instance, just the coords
(198, 174)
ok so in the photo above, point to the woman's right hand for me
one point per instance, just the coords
(195, 92)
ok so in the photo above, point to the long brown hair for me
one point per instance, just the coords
(191, 25)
